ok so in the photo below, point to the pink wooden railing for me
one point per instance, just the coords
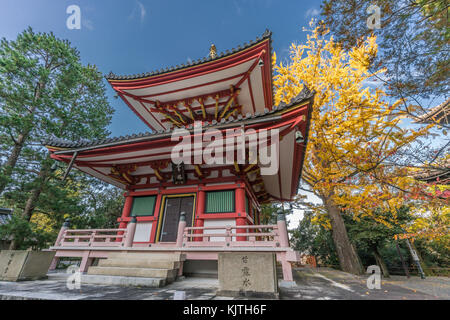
(271, 236)
(92, 238)
(220, 236)
(210, 238)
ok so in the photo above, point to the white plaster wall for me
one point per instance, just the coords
(143, 231)
(219, 223)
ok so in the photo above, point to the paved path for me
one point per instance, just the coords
(435, 286)
(55, 288)
(312, 284)
(329, 284)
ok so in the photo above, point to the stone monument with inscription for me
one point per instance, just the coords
(18, 265)
(248, 274)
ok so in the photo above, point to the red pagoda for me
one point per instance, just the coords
(195, 209)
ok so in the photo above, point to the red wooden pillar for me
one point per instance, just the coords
(240, 210)
(158, 205)
(201, 200)
(125, 213)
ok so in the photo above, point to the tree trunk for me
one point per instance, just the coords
(12, 159)
(405, 267)
(36, 191)
(380, 262)
(348, 258)
(19, 142)
(13, 245)
(33, 197)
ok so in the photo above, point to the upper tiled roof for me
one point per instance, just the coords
(441, 173)
(304, 95)
(439, 114)
(266, 35)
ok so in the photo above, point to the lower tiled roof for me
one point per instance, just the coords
(304, 95)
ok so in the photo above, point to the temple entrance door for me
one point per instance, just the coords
(173, 206)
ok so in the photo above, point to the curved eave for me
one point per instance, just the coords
(112, 78)
(291, 169)
(238, 71)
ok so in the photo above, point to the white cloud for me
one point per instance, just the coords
(86, 23)
(238, 8)
(297, 215)
(376, 82)
(139, 12)
(312, 12)
(372, 83)
(143, 12)
(294, 219)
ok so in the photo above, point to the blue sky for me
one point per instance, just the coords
(133, 36)
(137, 36)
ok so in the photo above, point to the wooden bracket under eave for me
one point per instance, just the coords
(70, 165)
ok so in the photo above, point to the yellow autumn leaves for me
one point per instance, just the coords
(354, 128)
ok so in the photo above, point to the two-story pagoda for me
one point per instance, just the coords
(223, 93)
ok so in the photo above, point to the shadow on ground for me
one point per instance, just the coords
(330, 284)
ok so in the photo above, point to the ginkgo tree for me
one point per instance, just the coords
(355, 130)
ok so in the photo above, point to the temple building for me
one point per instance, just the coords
(208, 200)
(439, 114)
(438, 173)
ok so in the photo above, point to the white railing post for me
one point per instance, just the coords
(282, 230)
(131, 230)
(186, 236)
(60, 238)
(229, 233)
(92, 238)
(62, 231)
(276, 234)
(181, 226)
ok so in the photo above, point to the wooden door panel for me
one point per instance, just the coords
(170, 220)
(187, 205)
(173, 207)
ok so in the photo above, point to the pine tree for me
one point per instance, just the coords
(45, 92)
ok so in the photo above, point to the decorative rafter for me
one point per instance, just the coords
(198, 171)
(232, 111)
(173, 114)
(179, 118)
(236, 167)
(234, 94)
(179, 115)
(166, 114)
(122, 173)
(157, 166)
(221, 94)
(216, 112)
(202, 105)
(189, 109)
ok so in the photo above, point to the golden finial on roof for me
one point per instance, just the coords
(213, 51)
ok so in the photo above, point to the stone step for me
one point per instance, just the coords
(161, 256)
(139, 263)
(169, 274)
(123, 281)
